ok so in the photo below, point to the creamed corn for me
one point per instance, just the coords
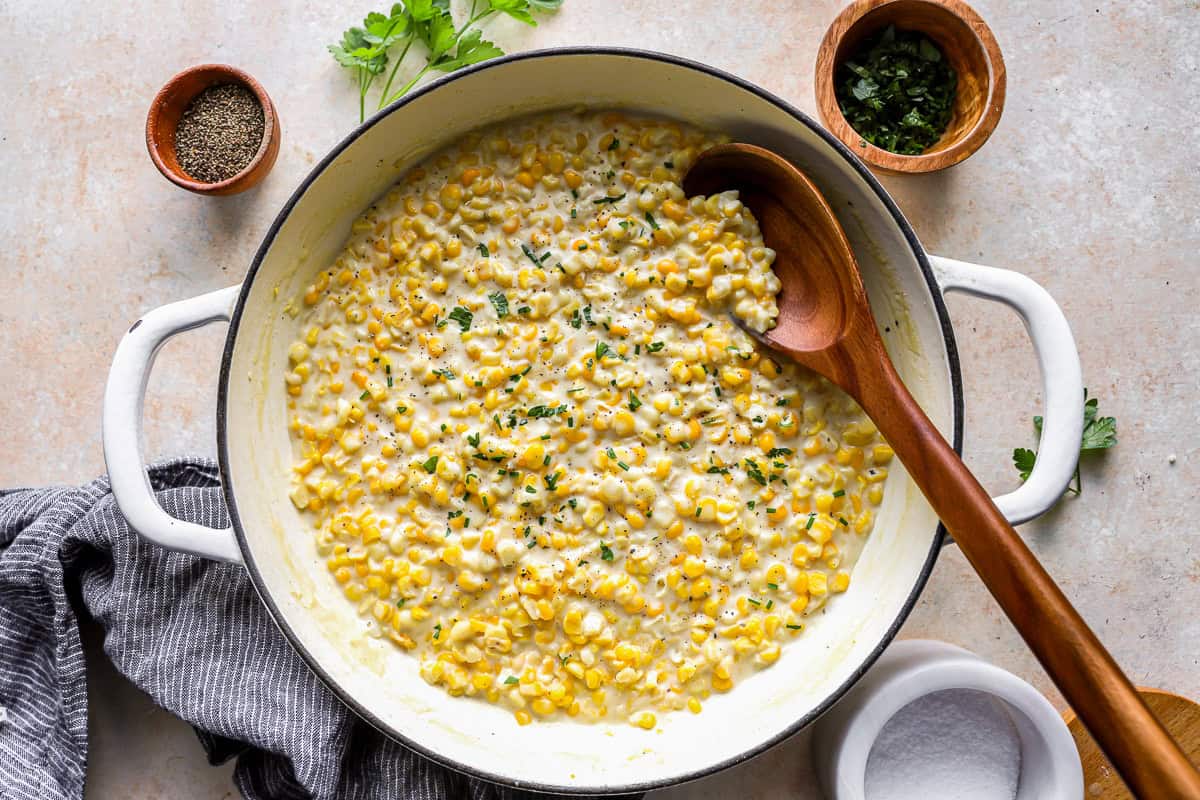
(536, 452)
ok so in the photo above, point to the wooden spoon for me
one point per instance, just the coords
(825, 323)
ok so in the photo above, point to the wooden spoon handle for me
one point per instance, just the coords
(1149, 760)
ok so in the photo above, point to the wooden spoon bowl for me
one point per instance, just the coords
(825, 323)
(816, 309)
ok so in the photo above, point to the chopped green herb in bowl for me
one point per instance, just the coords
(897, 91)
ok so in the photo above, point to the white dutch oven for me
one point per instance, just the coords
(276, 545)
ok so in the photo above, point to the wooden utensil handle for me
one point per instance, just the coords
(1149, 760)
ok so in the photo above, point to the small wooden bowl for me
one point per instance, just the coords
(966, 42)
(170, 103)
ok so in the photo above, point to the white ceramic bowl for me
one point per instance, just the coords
(381, 684)
(912, 669)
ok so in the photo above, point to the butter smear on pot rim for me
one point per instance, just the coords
(537, 453)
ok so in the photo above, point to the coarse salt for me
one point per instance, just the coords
(956, 743)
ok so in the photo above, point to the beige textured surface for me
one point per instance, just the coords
(1089, 185)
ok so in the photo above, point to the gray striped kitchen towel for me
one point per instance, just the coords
(193, 635)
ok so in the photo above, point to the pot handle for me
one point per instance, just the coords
(124, 396)
(1062, 378)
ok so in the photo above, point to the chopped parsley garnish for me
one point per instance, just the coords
(609, 200)
(528, 251)
(512, 680)
(897, 91)
(364, 395)
(437, 630)
(839, 493)
(601, 350)
(654, 347)
(483, 251)
(401, 409)
(462, 316)
(718, 470)
(530, 490)
(634, 403)
(576, 321)
(615, 144)
(430, 465)
(650, 220)
(753, 470)
(779, 451)
(473, 439)
(772, 586)
(524, 310)
(500, 303)
(606, 552)
(552, 481)
(541, 412)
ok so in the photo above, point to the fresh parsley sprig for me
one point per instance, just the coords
(1099, 434)
(367, 50)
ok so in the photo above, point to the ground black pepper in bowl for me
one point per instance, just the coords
(219, 133)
